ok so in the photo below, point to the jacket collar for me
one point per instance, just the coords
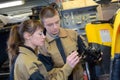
(26, 50)
(62, 34)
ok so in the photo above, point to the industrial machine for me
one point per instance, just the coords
(99, 36)
(115, 52)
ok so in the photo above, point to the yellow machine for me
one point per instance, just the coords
(116, 35)
(115, 52)
(99, 35)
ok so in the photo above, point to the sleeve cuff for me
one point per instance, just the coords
(67, 69)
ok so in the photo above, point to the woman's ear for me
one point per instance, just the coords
(27, 35)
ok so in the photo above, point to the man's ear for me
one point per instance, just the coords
(27, 35)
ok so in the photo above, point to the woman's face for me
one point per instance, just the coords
(38, 38)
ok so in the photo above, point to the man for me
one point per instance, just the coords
(57, 36)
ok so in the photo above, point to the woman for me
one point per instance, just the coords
(22, 43)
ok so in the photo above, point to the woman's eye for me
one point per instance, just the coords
(41, 33)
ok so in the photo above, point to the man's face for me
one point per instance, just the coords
(52, 24)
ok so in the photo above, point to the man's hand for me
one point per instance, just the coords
(73, 59)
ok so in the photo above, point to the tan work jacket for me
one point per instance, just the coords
(69, 42)
(27, 64)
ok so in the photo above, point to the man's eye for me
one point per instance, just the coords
(49, 24)
(57, 22)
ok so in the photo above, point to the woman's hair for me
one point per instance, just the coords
(16, 35)
(47, 12)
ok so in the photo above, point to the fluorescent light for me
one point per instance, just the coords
(11, 4)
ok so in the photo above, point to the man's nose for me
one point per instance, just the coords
(55, 26)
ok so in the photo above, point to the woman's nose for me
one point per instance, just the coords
(43, 36)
